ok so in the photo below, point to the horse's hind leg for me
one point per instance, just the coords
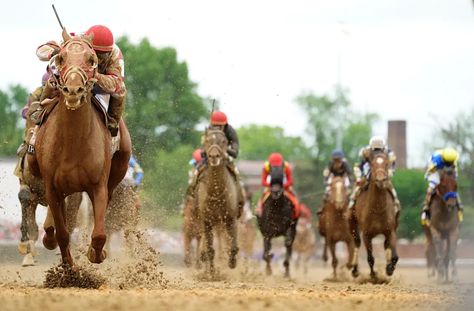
(187, 247)
(49, 238)
(96, 253)
(391, 255)
(370, 255)
(267, 245)
(325, 250)
(231, 228)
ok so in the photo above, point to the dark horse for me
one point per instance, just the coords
(277, 220)
(375, 213)
(73, 148)
(216, 199)
(443, 233)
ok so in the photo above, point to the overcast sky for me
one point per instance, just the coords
(403, 59)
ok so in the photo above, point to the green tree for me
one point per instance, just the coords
(11, 127)
(258, 141)
(163, 106)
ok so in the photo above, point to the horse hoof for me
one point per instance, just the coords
(232, 262)
(287, 274)
(94, 257)
(268, 271)
(355, 273)
(187, 262)
(390, 269)
(28, 260)
(23, 247)
(49, 240)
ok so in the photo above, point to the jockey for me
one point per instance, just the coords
(276, 160)
(219, 121)
(337, 167)
(196, 163)
(110, 87)
(134, 174)
(376, 145)
(440, 159)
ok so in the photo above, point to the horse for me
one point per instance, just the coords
(217, 199)
(443, 231)
(73, 148)
(334, 222)
(276, 220)
(305, 242)
(191, 231)
(375, 213)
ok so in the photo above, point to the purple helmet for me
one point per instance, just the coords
(44, 78)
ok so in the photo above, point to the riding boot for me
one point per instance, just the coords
(354, 195)
(115, 111)
(395, 197)
(240, 189)
(425, 214)
(460, 209)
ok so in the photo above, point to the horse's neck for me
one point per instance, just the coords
(216, 182)
(74, 125)
(377, 197)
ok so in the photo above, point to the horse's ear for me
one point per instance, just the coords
(89, 37)
(66, 35)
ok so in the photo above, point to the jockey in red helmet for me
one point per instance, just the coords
(219, 120)
(110, 87)
(276, 160)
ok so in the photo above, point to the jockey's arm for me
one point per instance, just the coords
(289, 176)
(231, 135)
(111, 81)
(348, 170)
(265, 173)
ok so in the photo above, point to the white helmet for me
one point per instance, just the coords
(377, 142)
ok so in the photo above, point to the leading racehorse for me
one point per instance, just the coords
(73, 148)
(443, 232)
(375, 213)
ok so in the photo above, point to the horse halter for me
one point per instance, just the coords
(74, 51)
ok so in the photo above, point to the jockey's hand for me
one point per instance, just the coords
(232, 153)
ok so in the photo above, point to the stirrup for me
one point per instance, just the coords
(425, 220)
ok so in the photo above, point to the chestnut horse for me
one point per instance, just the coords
(375, 213)
(334, 221)
(217, 199)
(73, 148)
(443, 233)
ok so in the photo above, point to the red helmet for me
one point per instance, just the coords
(103, 40)
(197, 155)
(275, 159)
(218, 118)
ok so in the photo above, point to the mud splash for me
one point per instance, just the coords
(64, 276)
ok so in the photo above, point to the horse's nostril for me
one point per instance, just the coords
(65, 89)
(80, 90)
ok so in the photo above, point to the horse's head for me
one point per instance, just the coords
(276, 181)
(77, 65)
(447, 188)
(338, 192)
(215, 144)
(379, 168)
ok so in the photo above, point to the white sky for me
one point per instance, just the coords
(403, 59)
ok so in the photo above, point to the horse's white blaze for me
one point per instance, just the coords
(380, 160)
(338, 191)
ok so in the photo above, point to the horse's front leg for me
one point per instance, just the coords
(357, 241)
(332, 248)
(209, 251)
(370, 255)
(453, 241)
(99, 198)
(391, 254)
(57, 209)
(289, 238)
(267, 245)
(231, 227)
(439, 248)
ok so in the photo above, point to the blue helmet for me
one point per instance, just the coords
(337, 154)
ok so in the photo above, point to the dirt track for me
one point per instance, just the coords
(181, 289)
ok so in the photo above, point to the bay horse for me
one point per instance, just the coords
(276, 220)
(334, 221)
(217, 199)
(73, 148)
(375, 213)
(443, 233)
